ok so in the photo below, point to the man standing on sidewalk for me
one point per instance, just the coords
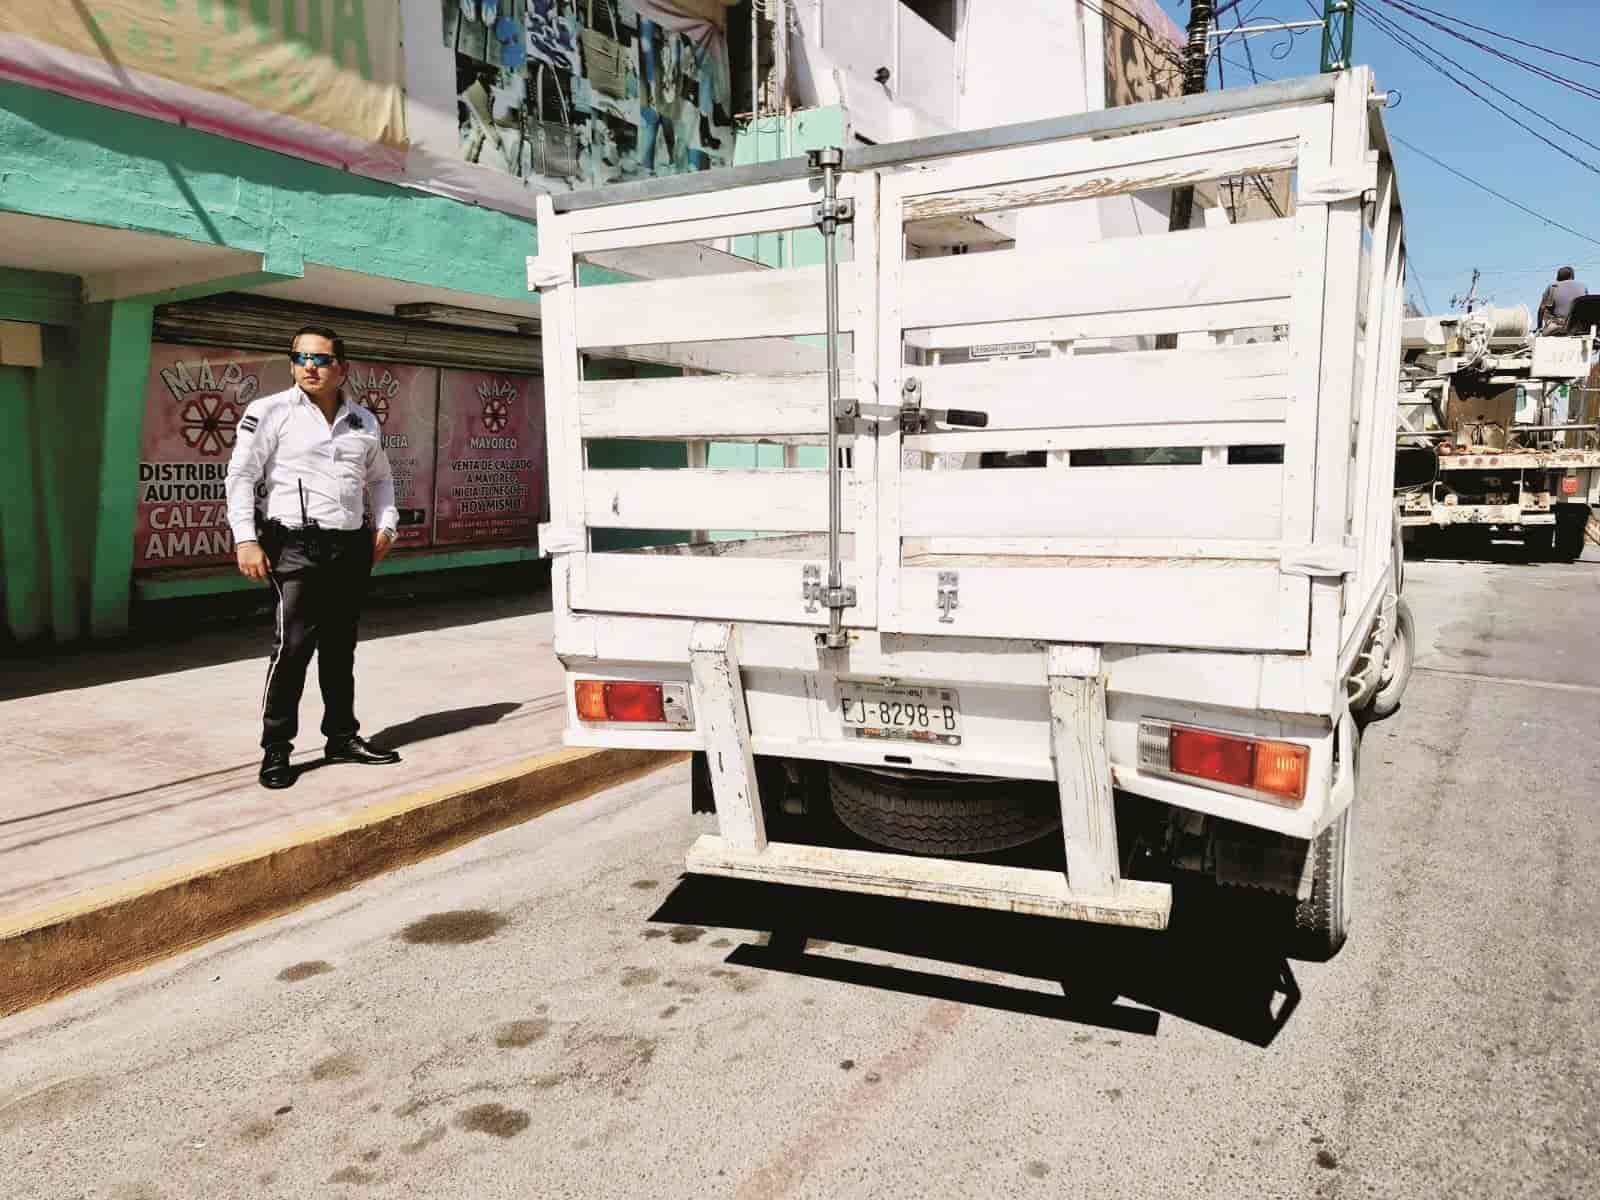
(318, 455)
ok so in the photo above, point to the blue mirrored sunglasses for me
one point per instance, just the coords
(301, 359)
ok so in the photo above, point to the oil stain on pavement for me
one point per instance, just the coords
(303, 970)
(493, 1119)
(517, 1034)
(455, 928)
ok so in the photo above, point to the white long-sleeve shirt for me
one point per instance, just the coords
(284, 440)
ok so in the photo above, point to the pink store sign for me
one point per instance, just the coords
(490, 481)
(194, 398)
(403, 398)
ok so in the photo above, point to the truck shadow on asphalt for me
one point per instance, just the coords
(1220, 964)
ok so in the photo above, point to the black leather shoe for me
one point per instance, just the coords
(276, 772)
(354, 749)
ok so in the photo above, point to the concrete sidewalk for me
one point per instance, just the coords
(122, 761)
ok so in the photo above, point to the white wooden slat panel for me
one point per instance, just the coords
(1267, 432)
(722, 589)
(715, 308)
(916, 550)
(864, 267)
(1305, 341)
(708, 406)
(1039, 161)
(786, 501)
(1215, 318)
(1152, 387)
(1237, 502)
(772, 220)
(1137, 274)
(1199, 605)
(727, 202)
(1104, 181)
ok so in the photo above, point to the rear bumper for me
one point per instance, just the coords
(1135, 903)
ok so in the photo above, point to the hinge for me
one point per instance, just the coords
(949, 596)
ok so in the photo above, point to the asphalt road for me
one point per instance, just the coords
(554, 1011)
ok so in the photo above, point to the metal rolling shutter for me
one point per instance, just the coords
(259, 323)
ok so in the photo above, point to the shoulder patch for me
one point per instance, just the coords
(249, 423)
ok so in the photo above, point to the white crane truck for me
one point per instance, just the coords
(1158, 632)
(1498, 431)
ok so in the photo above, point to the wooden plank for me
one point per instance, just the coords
(1109, 437)
(723, 204)
(721, 589)
(1240, 502)
(1094, 326)
(1135, 903)
(1146, 387)
(779, 501)
(915, 550)
(1079, 156)
(1135, 274)
(751, 356)
(863, 458)
(713, 308)
(1192, 605)
(1083, 768)
(600, 246)
(721, 718)
(1105, 181)
(891, 372)
(708, 406)
(1305, 343)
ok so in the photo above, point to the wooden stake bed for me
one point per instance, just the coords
(1194, 522)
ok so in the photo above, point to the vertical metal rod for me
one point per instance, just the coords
(830, 194)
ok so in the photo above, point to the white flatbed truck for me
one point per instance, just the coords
(1160, 632)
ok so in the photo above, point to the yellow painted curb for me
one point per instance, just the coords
(50, 951)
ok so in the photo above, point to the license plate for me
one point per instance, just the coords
(901, 714)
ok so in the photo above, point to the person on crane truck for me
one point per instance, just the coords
(1555, 306)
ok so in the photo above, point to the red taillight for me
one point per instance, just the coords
(1276, 769)
(635, 702)
(1213, 756)
(1569, 485)
(631, 703)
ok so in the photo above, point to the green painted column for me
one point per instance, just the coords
(62, 440)
(21, 550)
(116, 363)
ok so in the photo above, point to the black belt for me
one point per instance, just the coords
(307, 534)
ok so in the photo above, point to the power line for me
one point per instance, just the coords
(1582, 89)
(1588, 62)
(1486, 188)
(1411, 42)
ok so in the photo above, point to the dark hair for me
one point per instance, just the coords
(321, 331)
(1565, 274)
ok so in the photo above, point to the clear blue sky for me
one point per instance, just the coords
(1452, 227)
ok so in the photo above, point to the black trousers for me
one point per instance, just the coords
(320, 577)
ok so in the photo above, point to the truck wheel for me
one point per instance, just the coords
(1570, 529)
(1322, 920)
(1397, 665)
(942, 814)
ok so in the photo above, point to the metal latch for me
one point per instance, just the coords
(915, 419)
(814, 592)
(949, 596)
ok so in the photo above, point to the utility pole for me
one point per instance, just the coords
(1195, 61)
(1338, 34)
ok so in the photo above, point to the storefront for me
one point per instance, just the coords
(461, 409)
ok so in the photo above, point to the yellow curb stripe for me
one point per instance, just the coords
(50, 951)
